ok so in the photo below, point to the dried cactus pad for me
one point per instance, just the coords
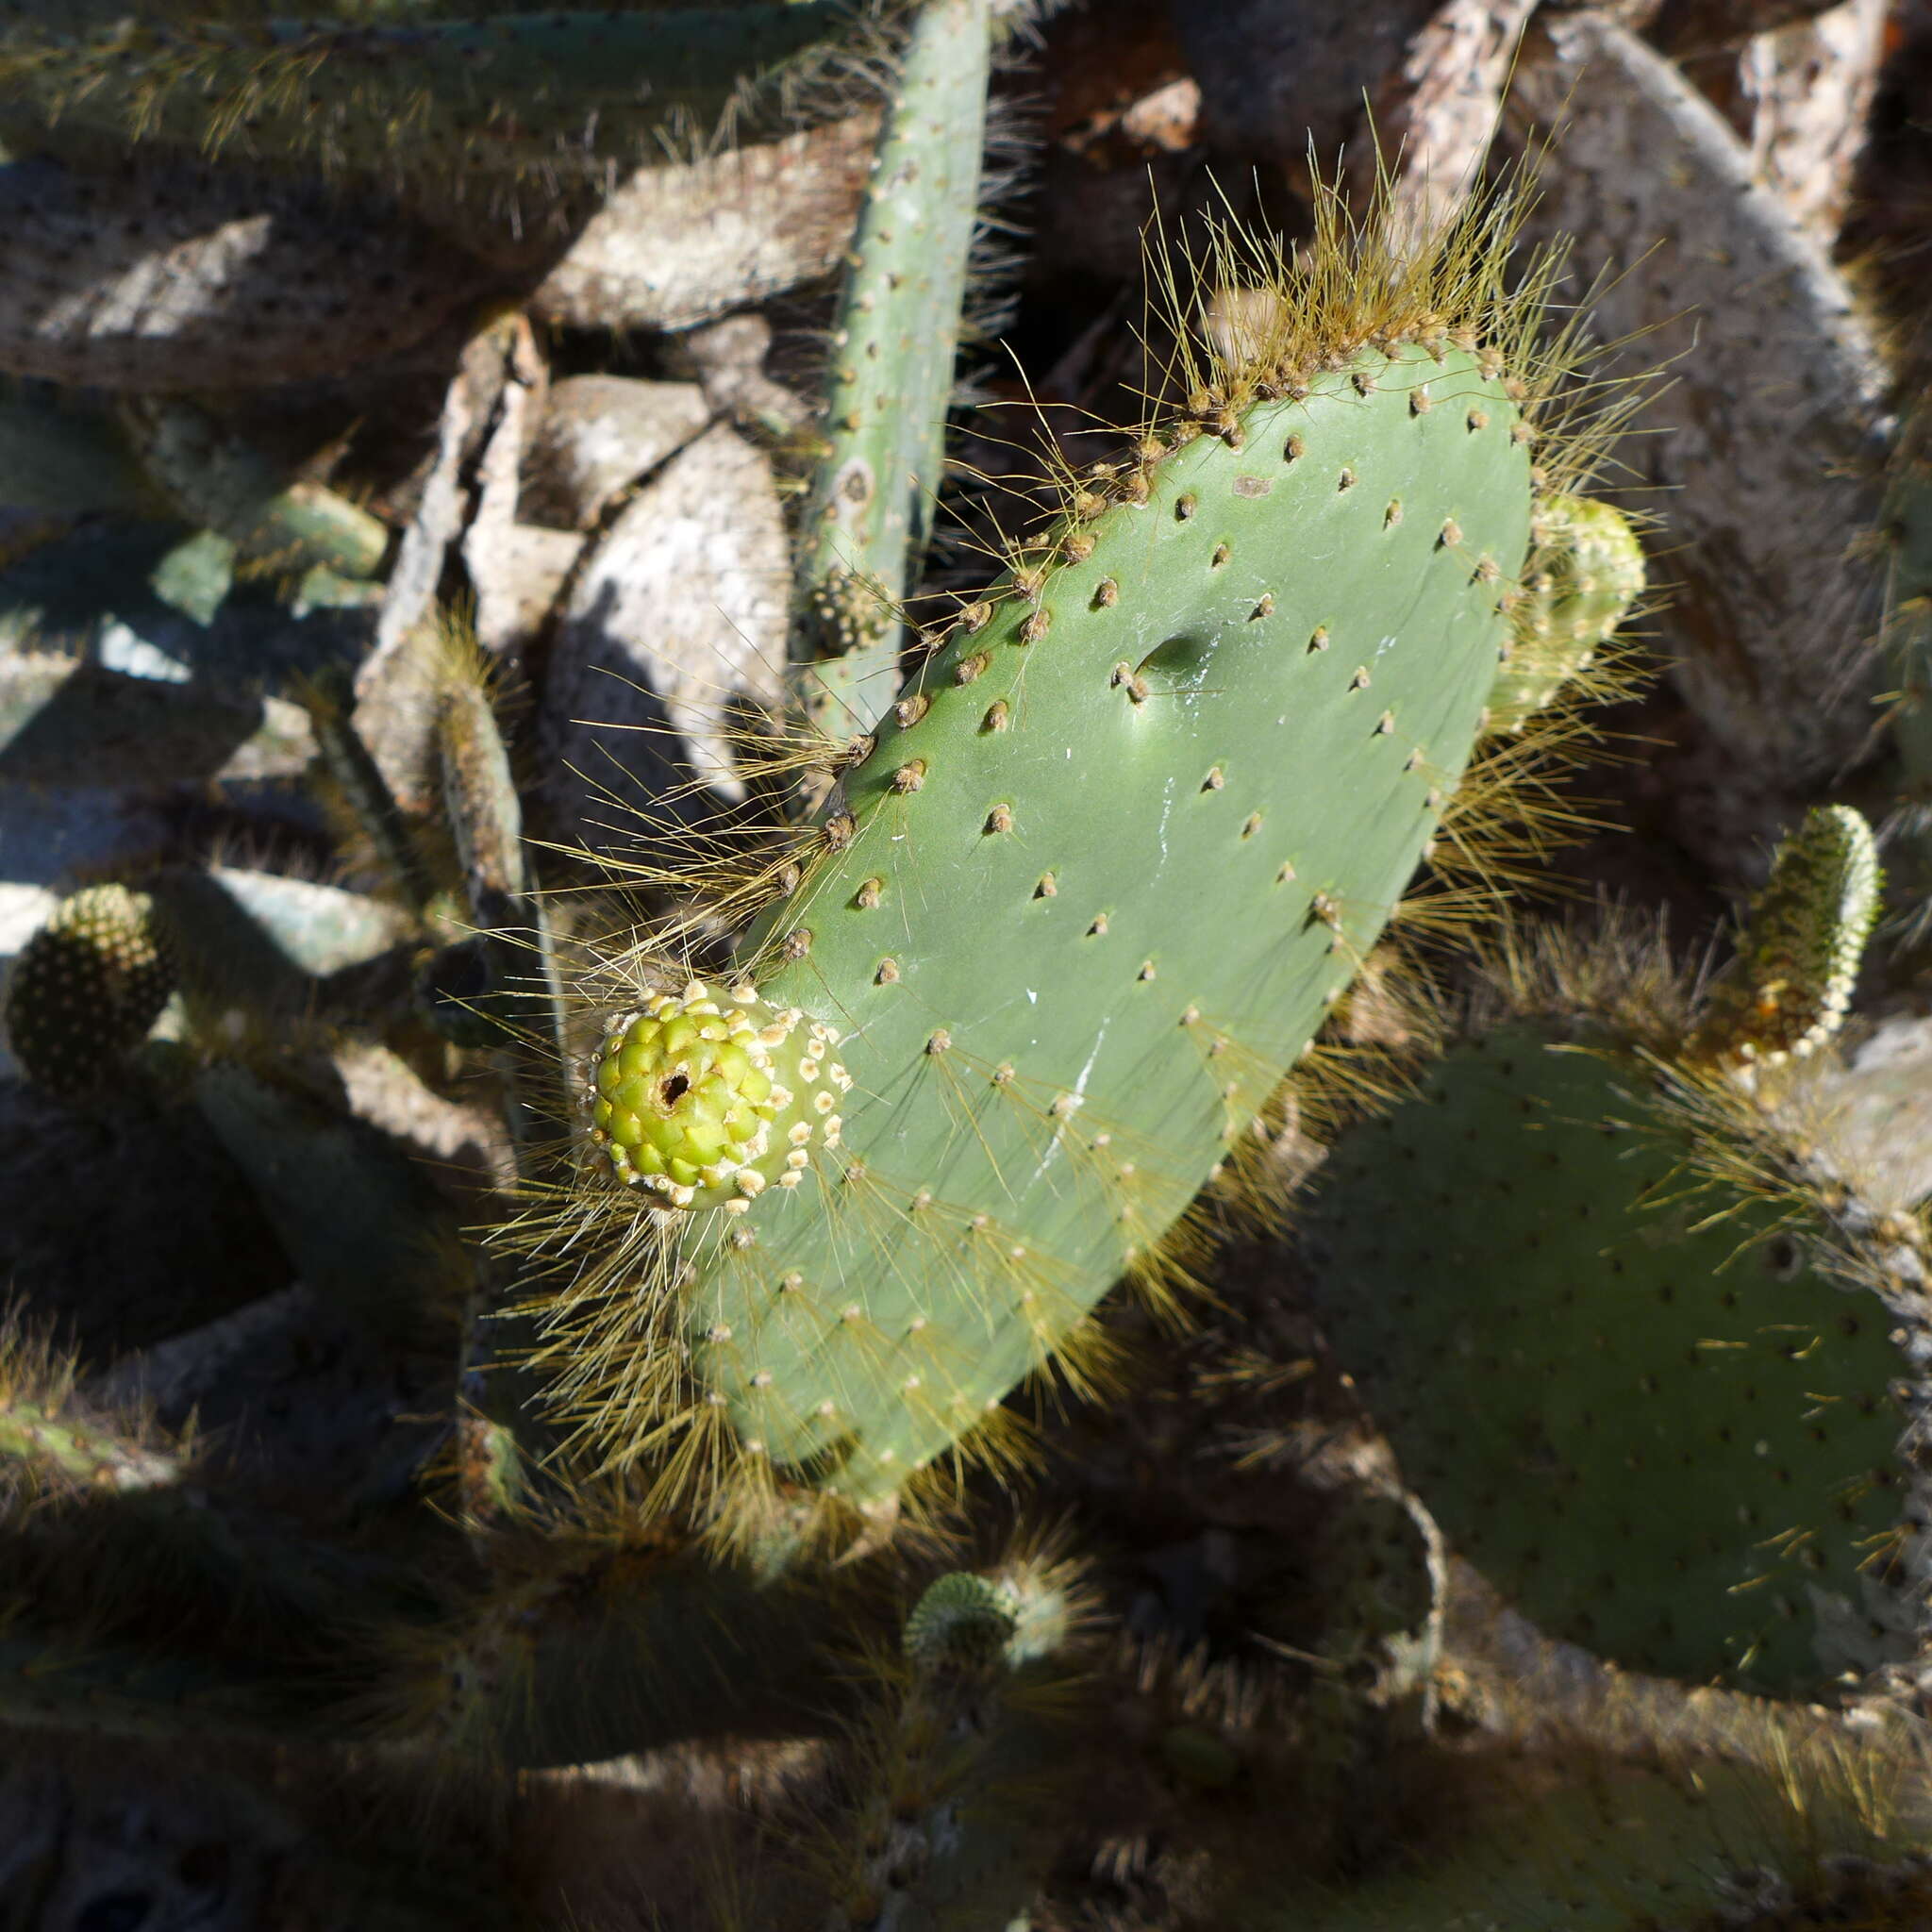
(87, 988)
(1633, 1406)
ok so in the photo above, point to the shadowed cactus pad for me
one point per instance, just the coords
(707, 1103)
(434, 104)
(183, 277)
(1633, 1405)
(1790, 1829)
(85, 989)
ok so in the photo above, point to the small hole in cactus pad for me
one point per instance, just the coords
(1178, 660)
(674, 1090)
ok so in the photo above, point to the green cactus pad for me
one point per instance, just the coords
(896, 338)
(85, 989)
(1584, 575)
(1643, 1416)
(1119, 847)
(1570, 1837)
(708, 1105)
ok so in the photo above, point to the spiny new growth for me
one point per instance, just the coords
(966, 1718)
(1586, 573)
(54, 1442)
(85, 989)
(963, 1620)
(1802, 945)
(1076, 909)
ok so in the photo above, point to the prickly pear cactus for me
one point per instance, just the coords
(1087, 895)
(1588, 1293)
(938, 1832)
(428, 102)
(872, 496)
(1646, 1418)
(87, 988)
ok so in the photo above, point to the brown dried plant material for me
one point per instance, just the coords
(170, 279)
(597, 435)
(1764, 444)
(1802, 103)
(682, 608)
(1435, 115)
(679, 244)
(517, 569)
(397, 683)
(728, 359)
(1686, 29)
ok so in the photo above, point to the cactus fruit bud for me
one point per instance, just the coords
(962, 1622)
(87, 988)
(708, 1101)
(1585, 572)
(1799, 957)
